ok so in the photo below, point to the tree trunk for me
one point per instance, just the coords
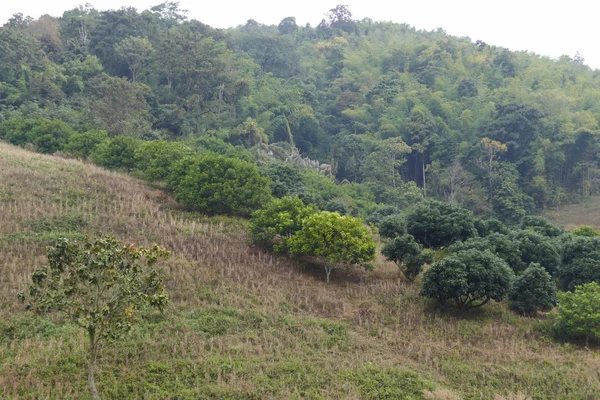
(328, 269)
(424, 182)
(91, 380)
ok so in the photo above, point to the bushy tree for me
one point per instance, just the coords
(286, 179)
(535, 248)
(377, 216)
(533, 291)
(579, 313)
(81, 145)
(392, 226)
(116, 153)
(407, 254)
(279, 219)
(219, 185)
(51, 136)
(585, 230)
(541, 226)
(580, 262)
(486, 227)
(101, 285)
(155, 158)
(437, 224)
(335, 239)
(470, 278)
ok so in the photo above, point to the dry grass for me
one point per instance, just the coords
(249, 325)
(572, 216)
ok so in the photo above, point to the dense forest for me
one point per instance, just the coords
(389, 112)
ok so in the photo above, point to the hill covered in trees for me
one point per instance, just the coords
(398, 113)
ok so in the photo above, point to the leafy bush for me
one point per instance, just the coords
(407, 254)
(580, 262)
(334, 238)
(488, 226)
(585, 230)
(470, 278)
(280, 217)
(116, 153)
(156, 157)
(51, 136)
(533, 291)
(377, 216)
(437, 224)
(286, 179)
(535, 248)
(392, 226)
(501, 245)
(541, 226)
(219, 185)
(579, 313)
(17, 131)
(81, 145)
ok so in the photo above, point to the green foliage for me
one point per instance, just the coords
(116, 153)
(470, 278)
(81, 145)
(101, 285)
(488, 226)
(51, 136)
(535, 248)
(281, 219)
(392, 226)
(286, 179)
(585, 230)
(408, 255)
(335, 239)
(156, 158)
(580, 262)
(533, 291)
(579, 313)
(541, 226)
(218, 185)
(436, 224)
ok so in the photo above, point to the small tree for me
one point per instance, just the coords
(585, 230)
(470, 278)
(408, 255)
(579, 313)
(155, 158)
(335, 239)
(535, 248)
(580, 261)
(392, 226)
(533, 291)
(281, 217)
(100, 285)
(437, 224)
(219, 185)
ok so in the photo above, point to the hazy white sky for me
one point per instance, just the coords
(547, 27)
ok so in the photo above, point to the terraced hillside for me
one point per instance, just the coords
(249, 326)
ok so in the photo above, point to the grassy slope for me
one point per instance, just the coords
(249, 326)
(573, 215)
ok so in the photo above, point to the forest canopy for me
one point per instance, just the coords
(395, 112)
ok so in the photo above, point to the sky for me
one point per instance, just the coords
(546, 27)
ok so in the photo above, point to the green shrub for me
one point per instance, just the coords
(392, 226)
(585, 230)
(535, 248)
(81, 145)
(216, 184)
(579, 313)
(334, 238)
(533, 291)
(580, 261)
(116, 153)
(286, 179)
(438, 224)
(470, 278)
(280, 217)
(407, 254)
(51, 136)
(155, 158)
(541, 226)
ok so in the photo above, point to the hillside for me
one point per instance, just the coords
(244, 326)
(500, 132)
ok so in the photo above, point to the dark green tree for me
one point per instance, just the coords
(533, 291)
(469, 278)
